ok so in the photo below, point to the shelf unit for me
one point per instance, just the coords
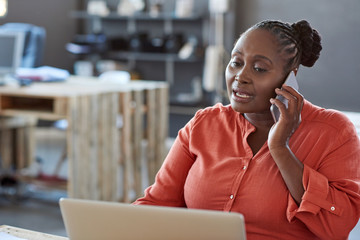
(128, 25)
(136, 16)
(183, 75)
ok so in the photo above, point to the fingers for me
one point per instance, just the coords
(295, 101)
(291, 94)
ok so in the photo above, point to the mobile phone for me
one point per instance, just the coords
(290, 81)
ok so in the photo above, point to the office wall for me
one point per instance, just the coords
(334, 81)
(54, 16)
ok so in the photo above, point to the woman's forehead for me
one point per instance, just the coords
(257, 39)
(258, 42)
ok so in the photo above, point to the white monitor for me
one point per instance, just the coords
(11, 53)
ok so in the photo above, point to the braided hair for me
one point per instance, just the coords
(299, 41)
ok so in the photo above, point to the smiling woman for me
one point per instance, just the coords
(298, 178)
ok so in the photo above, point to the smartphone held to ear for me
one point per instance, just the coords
(291, 82)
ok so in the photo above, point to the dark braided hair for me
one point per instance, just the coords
(299, 41)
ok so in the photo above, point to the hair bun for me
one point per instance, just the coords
(309, 41)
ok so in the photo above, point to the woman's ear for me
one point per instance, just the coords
(295, 71)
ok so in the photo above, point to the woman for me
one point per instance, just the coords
(298, 178)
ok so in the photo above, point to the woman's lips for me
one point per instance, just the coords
(241, 96)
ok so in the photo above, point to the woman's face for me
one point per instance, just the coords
(254, 71)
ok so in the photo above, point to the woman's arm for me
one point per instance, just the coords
(330, 206)
(326, 198)
(291, 170)
(168, 189)
(290, 167)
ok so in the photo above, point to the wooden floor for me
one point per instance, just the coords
(39, 212)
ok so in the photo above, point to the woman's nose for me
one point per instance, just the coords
(242, 76)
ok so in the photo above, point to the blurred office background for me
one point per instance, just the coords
(332, 82)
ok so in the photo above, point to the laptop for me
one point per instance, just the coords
(100, 220)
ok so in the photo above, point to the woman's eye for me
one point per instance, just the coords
(235, 64)
(258, 69)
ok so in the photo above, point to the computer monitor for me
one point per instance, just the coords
(11, 52)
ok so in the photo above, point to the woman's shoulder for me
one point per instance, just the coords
(216, 110)
(327, 119)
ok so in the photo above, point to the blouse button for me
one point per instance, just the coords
(231, 196)
(244, 167)
(332, 208)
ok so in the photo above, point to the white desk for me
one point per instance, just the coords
(27, 234)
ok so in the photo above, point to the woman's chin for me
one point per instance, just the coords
(238, 107)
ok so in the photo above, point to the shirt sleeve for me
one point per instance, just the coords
(331, 203)
(168, 189)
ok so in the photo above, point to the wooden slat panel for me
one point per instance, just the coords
(115, 147)
(17, 142)
(138, 131)
(101, 144)
(30, 145)
(110, 148)
(60, 105)
(126, 144)
(20, 147)
(162, 113)
(150, 133)
(72, 148)
(93, 146)
(6, 138)
(85, 174)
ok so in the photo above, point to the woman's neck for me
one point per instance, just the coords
(261, 121)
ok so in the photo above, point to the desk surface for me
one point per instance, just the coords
(28, 234)
(51, 99)
(76, 85)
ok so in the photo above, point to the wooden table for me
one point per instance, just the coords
(29, 235)
(107, 124)
(14, 132)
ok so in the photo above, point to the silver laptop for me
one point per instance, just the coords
(87, 220)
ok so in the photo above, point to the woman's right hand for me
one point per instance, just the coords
(290, 118)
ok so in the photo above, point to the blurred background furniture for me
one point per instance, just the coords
(102, 158)
(23, 46)
(169, 36)
(34, 44)
(16, 149)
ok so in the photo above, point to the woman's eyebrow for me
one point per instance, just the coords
(258, 56)
(235, 51)
(264, 58)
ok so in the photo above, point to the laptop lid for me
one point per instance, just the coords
(87, 220)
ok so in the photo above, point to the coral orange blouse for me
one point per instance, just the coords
(211, 166)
